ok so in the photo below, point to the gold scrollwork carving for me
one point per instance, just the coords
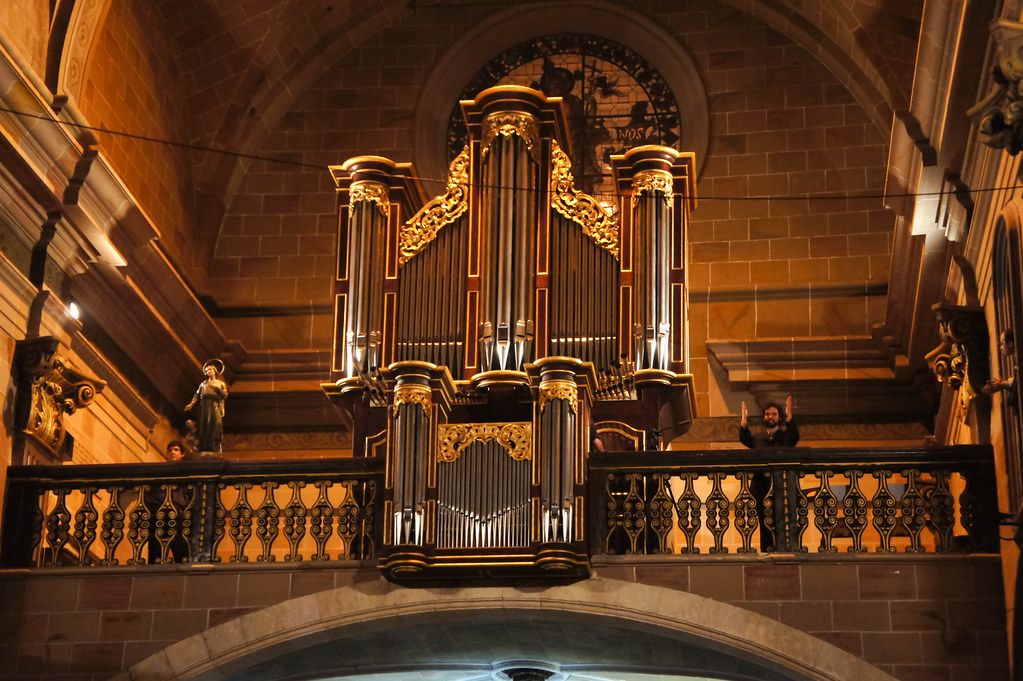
(412, 394)
(440, 211)
(653, 180)
(57, 388)
(961, 360)
(512, 123)
(368, 190)
(579, 207)
(559, 390)
(455, 438)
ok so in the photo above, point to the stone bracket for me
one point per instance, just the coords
(999, 114)
(50, 387)
(961, 360)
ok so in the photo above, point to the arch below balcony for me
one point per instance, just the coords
(678, 627)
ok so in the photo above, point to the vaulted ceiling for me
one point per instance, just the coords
(238, 65)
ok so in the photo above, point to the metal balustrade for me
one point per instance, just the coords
(693, 504)
(793, 501)
(205, 511)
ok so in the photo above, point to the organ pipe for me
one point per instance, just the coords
(481, 332)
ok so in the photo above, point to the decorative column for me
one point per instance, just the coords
(375, 196)
(420, 401)
(412, 427)
(562, 418)
(49, 388)
(658, 191)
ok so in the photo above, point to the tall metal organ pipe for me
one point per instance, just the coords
(557, 446)
(652, 307)
(509, 178)
(368, 225)
(410, 442)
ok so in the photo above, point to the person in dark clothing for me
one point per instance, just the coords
(155, 498)
(778, 431)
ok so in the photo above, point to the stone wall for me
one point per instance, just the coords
(25, 26)
(914, 618)
(936, 618)
(132, 85)
(781, 123)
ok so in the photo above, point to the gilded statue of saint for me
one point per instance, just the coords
(209, 397)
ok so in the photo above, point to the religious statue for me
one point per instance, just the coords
(210, 398)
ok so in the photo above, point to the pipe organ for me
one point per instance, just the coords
(485, 339)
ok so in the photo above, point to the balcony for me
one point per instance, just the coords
(805, 503)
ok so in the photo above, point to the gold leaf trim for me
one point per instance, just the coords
(412, 394)
(579, 207)
(57, 389)
(455, 438)
(653, 180)
(559, 390)
(368, 190)
(507, 123)
(442, 210)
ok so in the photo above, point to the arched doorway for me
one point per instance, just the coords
(595, 627)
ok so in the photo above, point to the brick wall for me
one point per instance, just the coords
(132, 85)
(923, 618)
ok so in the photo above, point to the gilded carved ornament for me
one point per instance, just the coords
(646, 181)
(442, 210)
(413, 394)
(368, 190)
(581, 208)
(961, 360)
(999, 115)
(57, 388)
(506, 123)
(455, 438)
(559, 390)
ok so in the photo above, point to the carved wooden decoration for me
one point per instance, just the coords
(56, 389)
(961, 360)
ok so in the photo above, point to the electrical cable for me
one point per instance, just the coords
(429, 180)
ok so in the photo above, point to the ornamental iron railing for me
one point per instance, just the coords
(199, 512)
(693, 504)
(793, 501)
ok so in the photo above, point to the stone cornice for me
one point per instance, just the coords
(802, 359)
(853, 376)
(834, 289)
(104, 240)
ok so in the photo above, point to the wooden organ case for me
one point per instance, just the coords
(487, 339)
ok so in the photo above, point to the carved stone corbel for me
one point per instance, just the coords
(961, 360)
(999, 115)
(49, 387)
